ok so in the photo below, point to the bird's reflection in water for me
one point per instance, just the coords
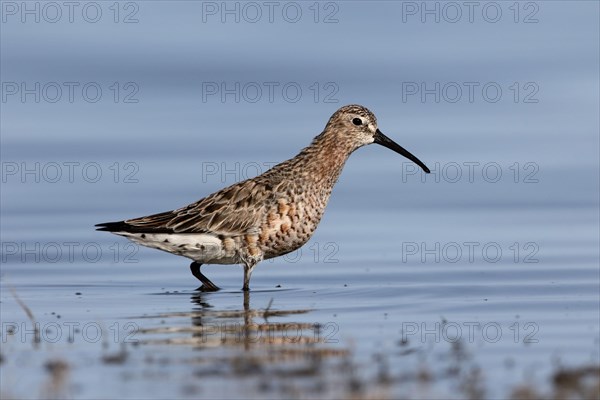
(257, 344)
(250, 327)
(266, 332)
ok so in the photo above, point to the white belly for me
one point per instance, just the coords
(201, 247)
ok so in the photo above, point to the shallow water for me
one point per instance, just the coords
(466, 283)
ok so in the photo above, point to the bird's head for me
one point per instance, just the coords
(357, 125)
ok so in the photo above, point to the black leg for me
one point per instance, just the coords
(207, 285)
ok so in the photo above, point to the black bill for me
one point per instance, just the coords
(385, 141)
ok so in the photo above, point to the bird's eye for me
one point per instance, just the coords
(357, 121)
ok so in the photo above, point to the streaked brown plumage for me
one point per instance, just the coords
(266, 216)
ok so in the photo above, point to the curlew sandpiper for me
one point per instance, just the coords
(264, 217)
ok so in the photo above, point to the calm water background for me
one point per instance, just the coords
(503, 236)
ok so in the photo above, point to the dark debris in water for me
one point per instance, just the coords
(119, 357)
(567, 383)
(58, 371)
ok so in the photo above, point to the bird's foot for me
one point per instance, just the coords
(211, 287)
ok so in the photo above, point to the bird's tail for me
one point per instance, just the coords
(119, 226)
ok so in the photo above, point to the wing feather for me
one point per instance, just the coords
(236, 210)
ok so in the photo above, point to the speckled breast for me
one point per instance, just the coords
(290, 224)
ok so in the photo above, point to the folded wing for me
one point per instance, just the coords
(236, 210)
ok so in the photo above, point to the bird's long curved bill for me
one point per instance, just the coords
(385, 141)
